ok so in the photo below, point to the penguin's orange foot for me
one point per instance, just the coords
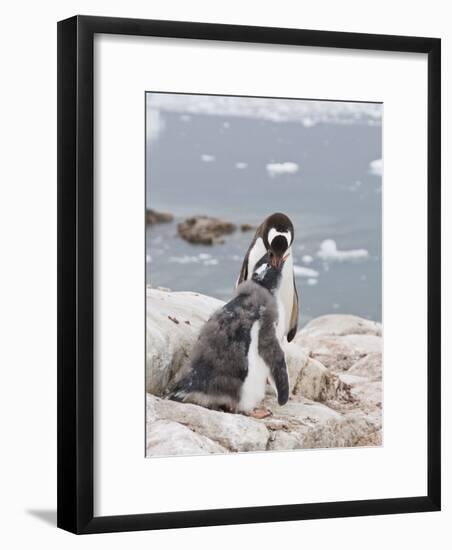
(260, 413)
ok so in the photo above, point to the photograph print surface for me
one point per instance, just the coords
(263, 274)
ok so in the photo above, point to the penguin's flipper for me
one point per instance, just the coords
(244, 270)
(293, 325)
(271, 352)
(244, 275)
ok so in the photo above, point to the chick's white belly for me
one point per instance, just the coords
(253, 389)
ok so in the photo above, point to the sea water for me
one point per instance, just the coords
(325, 176)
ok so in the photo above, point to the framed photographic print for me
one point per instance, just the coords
(248, 276)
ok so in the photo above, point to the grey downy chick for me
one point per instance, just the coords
(238, 349)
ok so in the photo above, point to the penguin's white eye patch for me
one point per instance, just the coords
(273, 233)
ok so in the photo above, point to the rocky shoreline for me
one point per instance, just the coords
(335, 372)
(198, 229)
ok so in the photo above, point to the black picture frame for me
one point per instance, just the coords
(75, 273)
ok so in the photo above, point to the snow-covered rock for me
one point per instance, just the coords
(335, 371)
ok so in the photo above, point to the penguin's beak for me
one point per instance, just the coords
(278, 261)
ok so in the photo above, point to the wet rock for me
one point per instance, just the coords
(153, 217)
(247, 227)
(204, 230)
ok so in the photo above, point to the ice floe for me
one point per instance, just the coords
(155, 124)
(376, 167)
(307, 259)
(207, 158)
(184, 259)
(241, 165)
(204, 259)
(329, 252)
(307, 112)
(278, 168)
(301, 271)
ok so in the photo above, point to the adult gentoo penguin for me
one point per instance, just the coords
(238, 349)
(275, 236)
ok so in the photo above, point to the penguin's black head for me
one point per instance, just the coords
(278, 234)
(266, 274)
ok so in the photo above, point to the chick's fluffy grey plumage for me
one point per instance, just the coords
(219, 360)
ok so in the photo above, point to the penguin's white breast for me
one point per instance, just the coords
(285, 296)
(257, 251)
(253, 388)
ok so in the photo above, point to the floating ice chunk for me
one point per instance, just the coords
(226, 124)
(185, 118)
(300, 271)
(211, 261)
(278, 168)
(155, 124)
(329, 252)
(148, 258)
(241, 165)
(207, 158)
(204, 256)
(376, 167)
(312, 282)
(307, 112)
(354, 186)
(307, 259)
(184, 259)
(308, 122)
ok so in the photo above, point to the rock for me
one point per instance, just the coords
(316, 382)
(234, 432)
(168, 343)
(296, 359)
(368, 367)
(165, 438)
(339, 352)
(334, 372)
(341, 325)
(312, 380)
(204, 230)
(153, 217)
(309, 425)
(363, 344)
(367, 396)
(247, 227)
